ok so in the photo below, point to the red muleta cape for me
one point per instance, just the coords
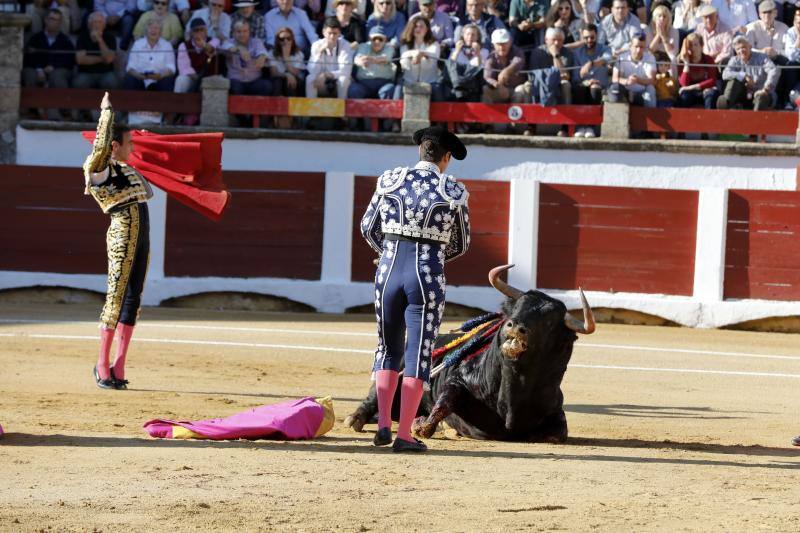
(186, 166)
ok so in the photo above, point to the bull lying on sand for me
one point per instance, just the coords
(513, 390)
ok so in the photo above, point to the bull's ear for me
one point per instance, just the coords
(586, 327)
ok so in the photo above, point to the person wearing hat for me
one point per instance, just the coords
(246, 11)
(329, 65)
(374, 77)
(352, 25)
(389, 18)
(716, 37)
(197, 58)
(750, 79)
(501, 70)
(767, 35)
(417, 221)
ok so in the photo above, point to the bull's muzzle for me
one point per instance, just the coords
(516, 340)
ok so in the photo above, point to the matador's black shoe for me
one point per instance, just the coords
(119, 384)
(401, 446)
(103, 383)
(382, 437)
(796, 440)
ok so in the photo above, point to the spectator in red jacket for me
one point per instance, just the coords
(697, 83)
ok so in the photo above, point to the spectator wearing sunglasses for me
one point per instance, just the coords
(217, 21)
(182, 8)
(374, 77)
(389, 18)
(287, 65)
(171, 28)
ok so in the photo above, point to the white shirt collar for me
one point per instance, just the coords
(427, 165)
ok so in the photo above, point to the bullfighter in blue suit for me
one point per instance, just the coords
(417, 221)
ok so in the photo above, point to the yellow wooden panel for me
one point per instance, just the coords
(316, 107)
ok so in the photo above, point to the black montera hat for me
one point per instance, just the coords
(445, 138)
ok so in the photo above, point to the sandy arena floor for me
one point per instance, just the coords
(671, 429)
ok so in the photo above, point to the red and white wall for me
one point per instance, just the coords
(703, 240)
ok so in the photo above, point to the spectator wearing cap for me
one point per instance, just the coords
(767, 35)
(389, 18)
(439, 21)
(501, 70)
(246, 11)
(526, 18)
(634, 75)
(375, 72)
(750, 79)
(359, 8)
(218, 23)
(419, 58)
(286, 15)
(151, 61)
(246, 57)
(329, 65)
(287, 66)
(716, 37)
(197, 58)
(352, 25)
(49, 55)
(96, 51)
(475, 14)
(618, 28)
(171, 28)
(121, 16)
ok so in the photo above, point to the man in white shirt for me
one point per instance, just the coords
(288, 16)
(330, 65)
(767, 34)
(634, 75)
(618, 27)
(151, 62)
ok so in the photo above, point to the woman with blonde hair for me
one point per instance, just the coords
(389, 18)
(699, 75)
(660, 33)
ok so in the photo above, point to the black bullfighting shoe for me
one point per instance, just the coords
(102, 383)
(796, 440)
(401, 446)
(119, 384)
(382, 437)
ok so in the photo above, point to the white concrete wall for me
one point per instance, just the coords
(526, 168)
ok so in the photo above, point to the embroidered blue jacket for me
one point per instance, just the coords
(419, 202)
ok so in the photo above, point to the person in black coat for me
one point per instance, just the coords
(49, 56)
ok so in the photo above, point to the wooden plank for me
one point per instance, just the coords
(316, 107)
(729, 121)
(258, 105)
(273, 228)
(530, 113)
(489, 203)
(165, 102)
(371, 108)
(617, 239)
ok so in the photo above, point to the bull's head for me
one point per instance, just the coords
(517, 332)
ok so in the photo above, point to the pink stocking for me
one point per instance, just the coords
(123, 340)
(409, 403)
(106, 338)
(385, 385)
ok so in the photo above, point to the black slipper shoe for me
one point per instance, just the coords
(401, 446)
(102, 383)
(796, 440)
(119, 384)
(382, 437)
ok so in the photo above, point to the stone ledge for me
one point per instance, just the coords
(14, 19)
(509, 141)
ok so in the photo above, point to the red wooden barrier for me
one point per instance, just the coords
(488, 203)
(474, 112)
(48, 224)
(165, 102)
(762, 245)
(724, 121)
(617, 239)
(273, 228)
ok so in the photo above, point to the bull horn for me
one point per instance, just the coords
(502, 286)
(587, 326)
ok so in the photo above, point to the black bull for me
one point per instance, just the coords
(513, 390)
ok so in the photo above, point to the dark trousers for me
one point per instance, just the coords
(584, 95)
(735, 94)
(409, 302)
(257, 87)
(694, 98)
(133, 84)
(383, 89)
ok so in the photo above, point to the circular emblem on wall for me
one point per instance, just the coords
(515, 112)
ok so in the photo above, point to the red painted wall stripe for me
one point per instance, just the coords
(762, 245)
(488, 203)
(272, 228)
(731, 121)
(48, 224)
(617, 239)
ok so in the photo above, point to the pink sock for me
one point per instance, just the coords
(123, 340)
(409, 403)
(106, 338)
(385, 385)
